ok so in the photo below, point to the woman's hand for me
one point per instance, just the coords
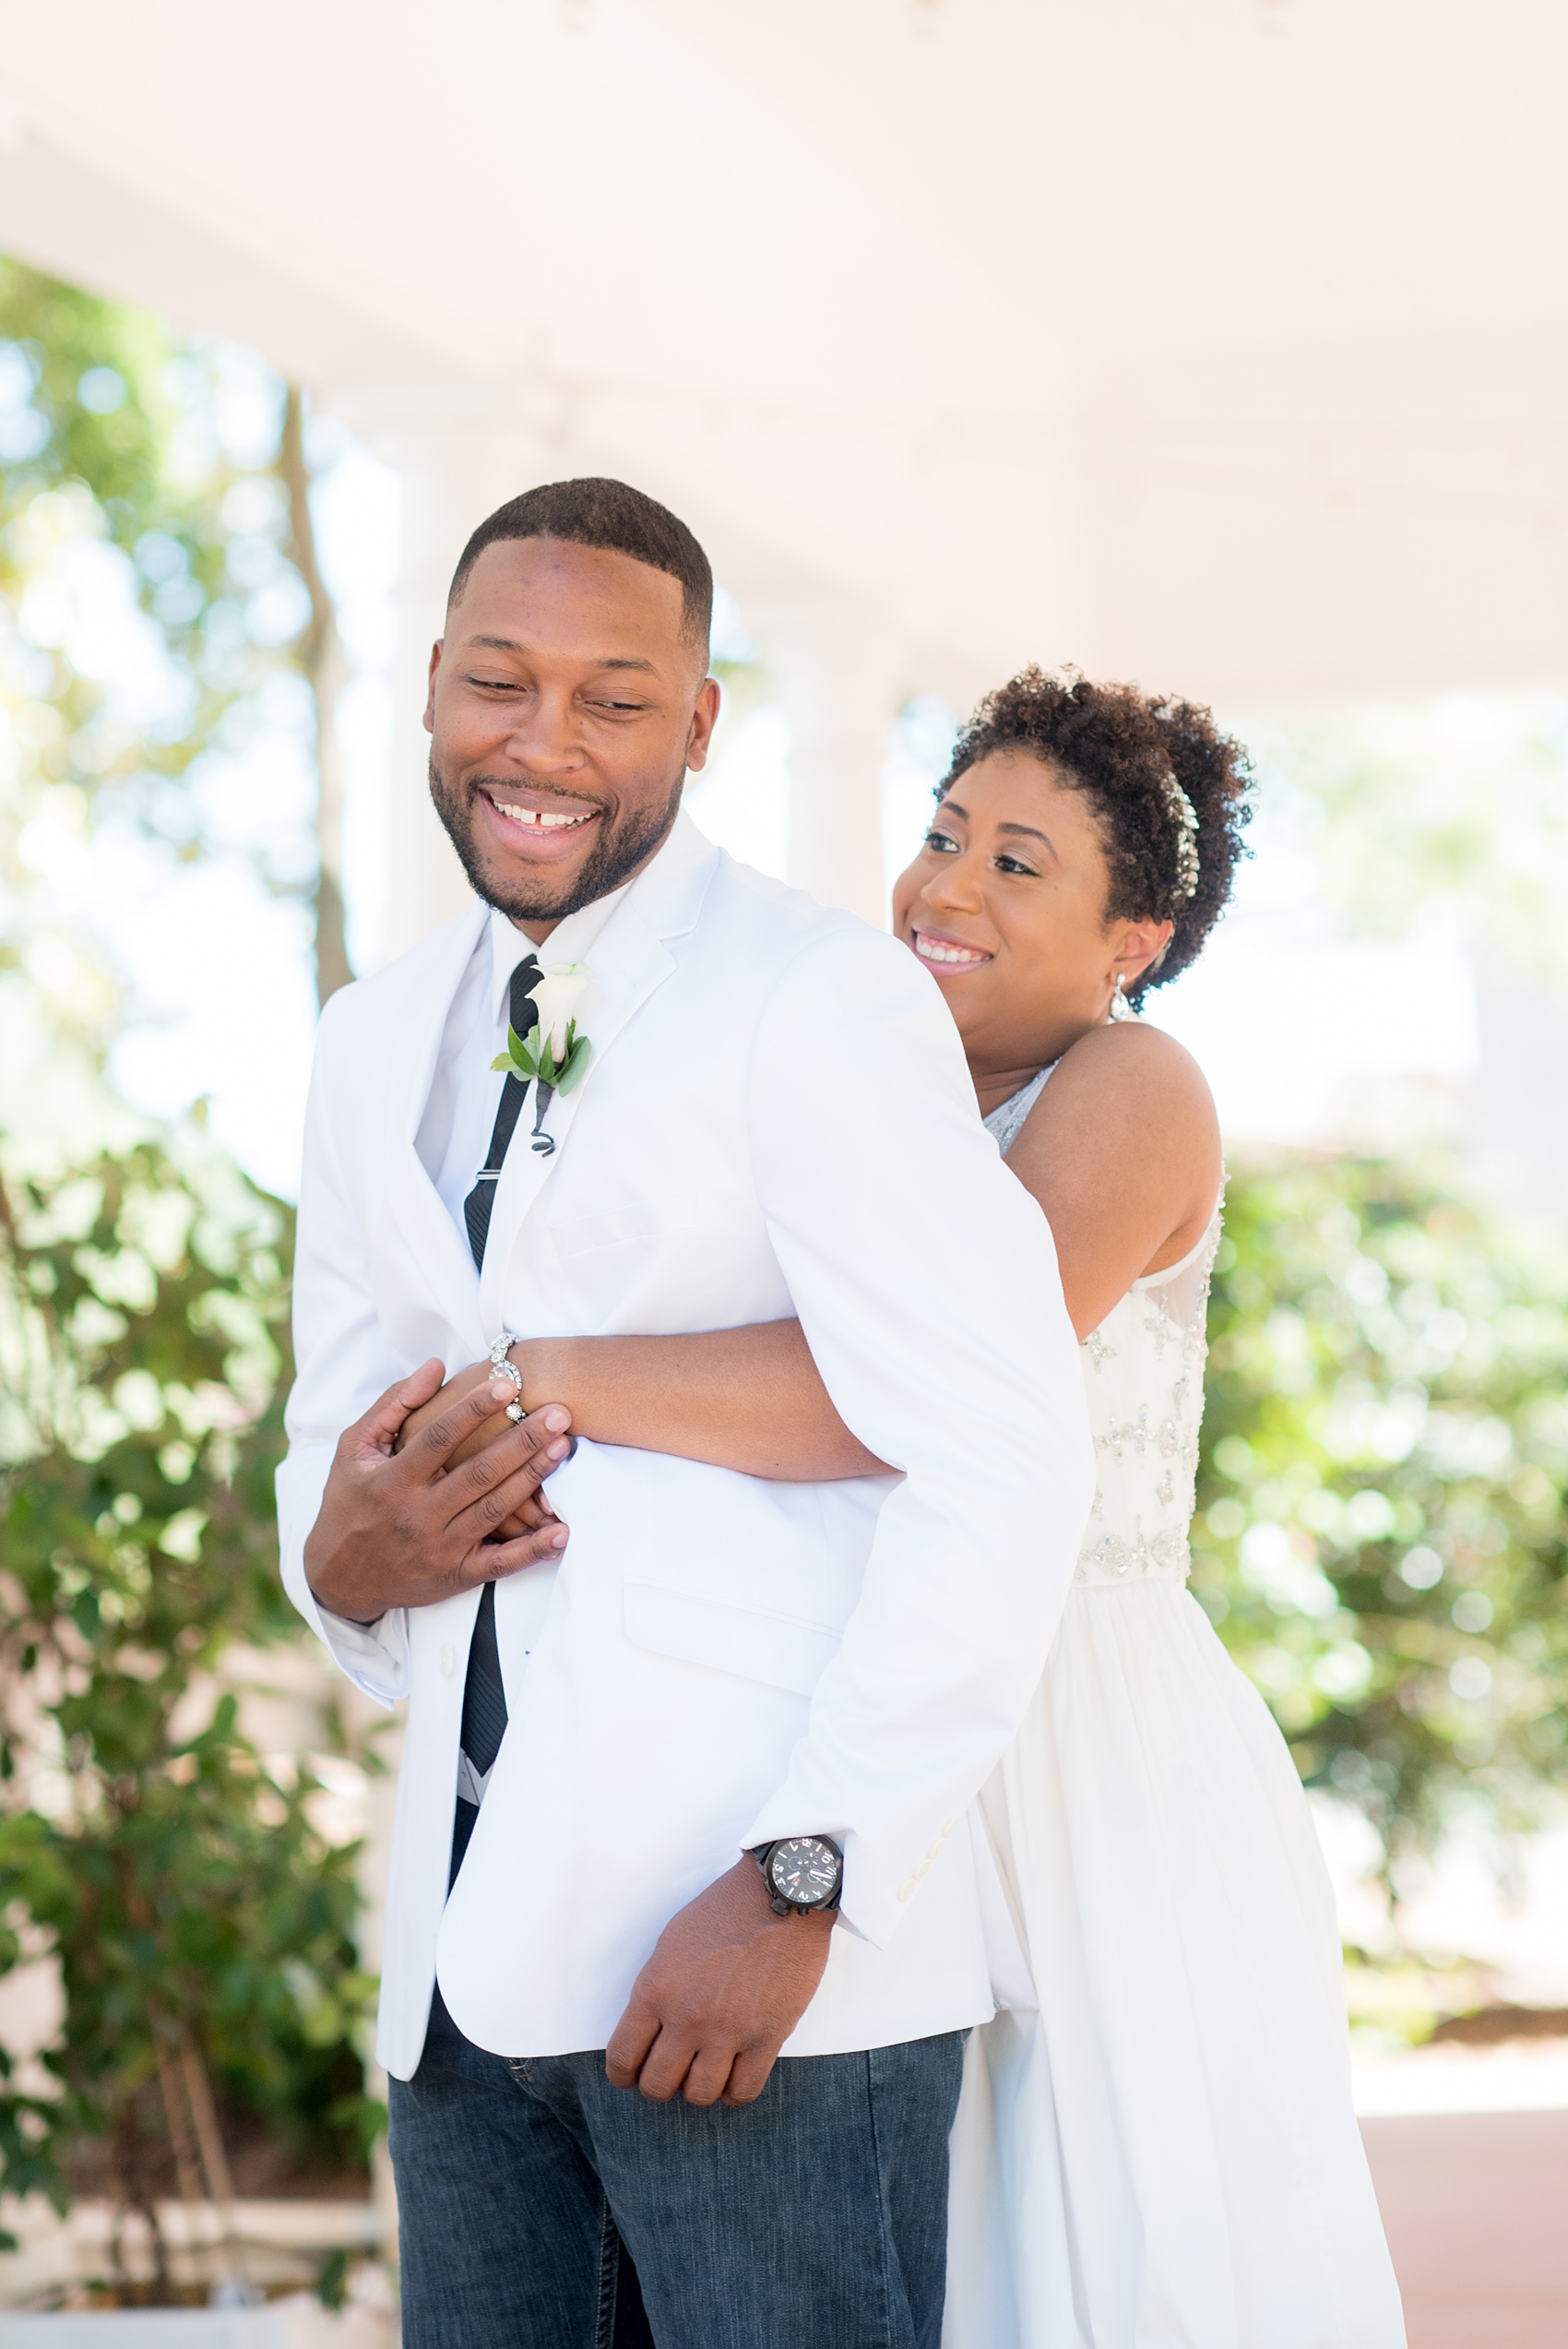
(536, 1511)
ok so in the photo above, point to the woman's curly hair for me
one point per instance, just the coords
(1117, 746)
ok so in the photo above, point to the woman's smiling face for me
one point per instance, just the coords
(1005, 905)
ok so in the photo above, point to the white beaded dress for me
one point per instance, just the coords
(1164, 2157)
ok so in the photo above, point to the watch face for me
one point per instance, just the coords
(804, 1871)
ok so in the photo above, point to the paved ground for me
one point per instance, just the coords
(1476, 2205)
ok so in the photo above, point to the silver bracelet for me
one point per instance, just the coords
(501, 1367)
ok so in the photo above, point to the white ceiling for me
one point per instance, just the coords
(1224, 343)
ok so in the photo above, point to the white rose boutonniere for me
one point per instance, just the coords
(552, 1055)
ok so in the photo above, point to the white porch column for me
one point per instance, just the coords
(455, 461)
(1516, 1126)
(837, 672)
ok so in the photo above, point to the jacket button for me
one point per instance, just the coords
(448, 1663)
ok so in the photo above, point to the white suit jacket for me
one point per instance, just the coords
(777, 1120)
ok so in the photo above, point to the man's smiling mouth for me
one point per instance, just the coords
(538, 820)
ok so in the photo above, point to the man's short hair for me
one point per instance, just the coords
(596, 512)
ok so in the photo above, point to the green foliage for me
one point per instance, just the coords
(1447, 817)
(107, 433)
(149, 612)
(1384, 1453)
(118, 425)
(96, 392)
(182, 1882)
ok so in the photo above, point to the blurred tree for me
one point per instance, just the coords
(202, 1922)
(153, 621)
(319, 653)
(1380, 1534)
(1446, 818)
(154, 521)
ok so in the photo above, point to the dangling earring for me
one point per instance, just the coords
(1120, 1007)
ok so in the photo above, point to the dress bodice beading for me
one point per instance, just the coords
(1144, 1377)
(1143, 1372)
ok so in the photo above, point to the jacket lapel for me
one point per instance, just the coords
(436, 1251)
(628, 960)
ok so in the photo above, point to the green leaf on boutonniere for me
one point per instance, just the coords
(535, 1059)
(573, 1064)
(521, 1059)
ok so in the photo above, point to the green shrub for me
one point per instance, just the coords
(194, 1908)
(1380, 1532)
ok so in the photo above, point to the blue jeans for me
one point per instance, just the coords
(527, 2189)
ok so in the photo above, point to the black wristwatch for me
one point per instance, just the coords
(802, 1872)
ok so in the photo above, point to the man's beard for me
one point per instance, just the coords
(614, 855)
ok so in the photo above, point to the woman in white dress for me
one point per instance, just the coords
(1162, 2153)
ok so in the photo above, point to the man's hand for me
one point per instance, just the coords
(536, 1510)
(406, 1528)
(724, 1988)
(461, 1384)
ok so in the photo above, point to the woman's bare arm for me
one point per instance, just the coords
(1122, 1152)
(748, 1399)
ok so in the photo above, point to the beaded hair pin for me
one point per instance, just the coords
(1185, 817)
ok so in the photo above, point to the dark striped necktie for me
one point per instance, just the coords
(481, 1200)
(484, 1695)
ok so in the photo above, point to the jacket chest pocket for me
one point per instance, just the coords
(635, 1224)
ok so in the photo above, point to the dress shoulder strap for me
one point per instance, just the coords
(1006, 1123)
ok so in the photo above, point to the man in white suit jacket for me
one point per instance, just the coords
(696, 1676)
